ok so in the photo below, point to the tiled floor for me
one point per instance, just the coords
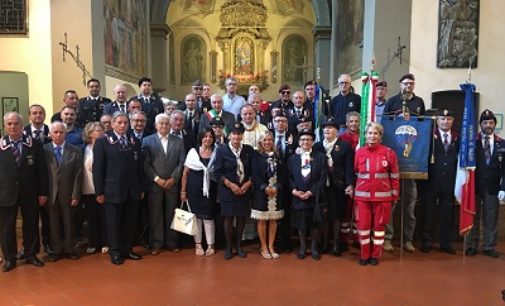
(184, 279)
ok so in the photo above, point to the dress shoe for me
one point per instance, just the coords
(301, 253)
(388, 246)
(35, 261)
(448, 249)
(316, 256)
(133, 256)
(336, 251)
(471, 252)
(9, 265)
(228, 254)
(425, 248)
(155, 252)
(117, 260)
(363, 262)
(491, 253)
(72, 256)
(344, 247)
(241, 253)
(409, 247)
(373, 261)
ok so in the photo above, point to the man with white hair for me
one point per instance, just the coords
(23, 186)
(65, 185)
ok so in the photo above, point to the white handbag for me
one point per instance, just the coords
(184, 220)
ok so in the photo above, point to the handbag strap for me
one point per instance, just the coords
(187, 204)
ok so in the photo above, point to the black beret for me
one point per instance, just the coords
(487, 115)
(407, 76)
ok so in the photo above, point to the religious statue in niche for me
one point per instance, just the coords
(350, 40)
(458, 33)
(193, 59)
(294, 55)
(244, 54)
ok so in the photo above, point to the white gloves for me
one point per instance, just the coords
(501, 195)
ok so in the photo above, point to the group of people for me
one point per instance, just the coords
(126, 165)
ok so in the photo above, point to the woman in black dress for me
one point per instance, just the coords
(200, 191)
(307, 175)
(232, 169)
(268, 175)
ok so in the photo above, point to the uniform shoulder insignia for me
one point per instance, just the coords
(4, 144)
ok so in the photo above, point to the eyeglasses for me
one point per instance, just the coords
(408, 83)
(285, 92)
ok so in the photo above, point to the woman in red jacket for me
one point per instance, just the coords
(377, 186)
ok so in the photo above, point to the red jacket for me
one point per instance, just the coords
(378, 174)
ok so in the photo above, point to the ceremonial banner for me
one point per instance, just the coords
(410, 139)
(318, 112)
(464, 189)
(368, 97)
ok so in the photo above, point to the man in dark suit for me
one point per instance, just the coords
(284, 142)
(91, 107)
(151, 104)
(138, 121)
(217, 110)
(440, 185)
(23, 185)
(489, 186)
(64, 163)
(341, 179)
(120, 104)
(118, 179)
(298, 113)
(38, 130)
(191, 114)
(177, 129)
(164, 159)
(202, 103)
(284, 101)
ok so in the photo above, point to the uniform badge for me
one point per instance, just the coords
(29, 160)
(290, 139)
(384, 163)
(337, 148)
(351, 104)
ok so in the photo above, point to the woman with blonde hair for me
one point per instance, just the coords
(268, 173)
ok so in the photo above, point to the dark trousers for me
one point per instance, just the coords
(29, 212)
(121, 219)
(487, 207)
(61, 216)
(45, 230)
(95, 213)
(161, 213)
(445, 217)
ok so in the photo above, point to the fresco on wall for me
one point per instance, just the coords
(197, 6)
(294, 55)
(125, 38)
(349, 41)
(287, 7)
(193, 51)
(458, 33)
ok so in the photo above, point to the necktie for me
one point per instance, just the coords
(57, 155)
(446, 142)
(278, 144)
(122, 107)
(123, 142)
(15, 151)
(36, 134)
(487, 150)
(177, 133)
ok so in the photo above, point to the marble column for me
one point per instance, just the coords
(322, 55)
(159, 59)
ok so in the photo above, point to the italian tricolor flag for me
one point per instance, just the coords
(368, 97)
